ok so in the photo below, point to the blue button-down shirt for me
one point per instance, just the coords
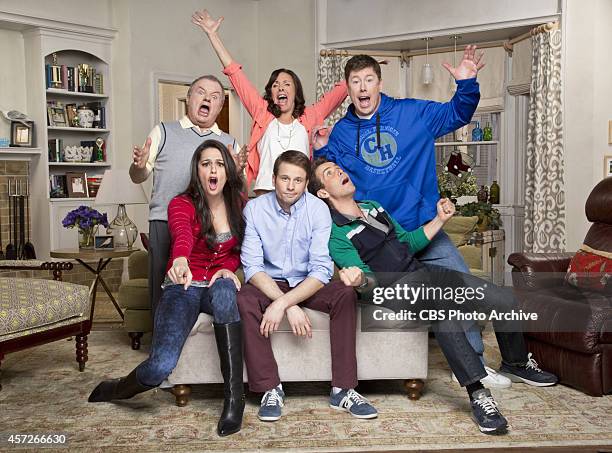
(287, 246)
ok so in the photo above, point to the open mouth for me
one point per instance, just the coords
(212, 183)
(282, 99)
(204, 110)
(345, 180)
(364, 101)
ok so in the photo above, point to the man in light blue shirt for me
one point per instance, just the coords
(287, 266)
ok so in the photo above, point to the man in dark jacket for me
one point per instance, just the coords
(370, 247)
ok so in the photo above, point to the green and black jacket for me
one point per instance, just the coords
(357, 243)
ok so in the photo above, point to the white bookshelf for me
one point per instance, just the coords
(93, 47)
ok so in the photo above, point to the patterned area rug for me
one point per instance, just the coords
(44, 393)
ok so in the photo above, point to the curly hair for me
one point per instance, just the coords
(300, 102)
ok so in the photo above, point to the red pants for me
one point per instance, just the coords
(334, 298)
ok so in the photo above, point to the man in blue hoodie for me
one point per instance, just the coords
(386, 145)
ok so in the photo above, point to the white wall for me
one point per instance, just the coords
(286, 39)
(12, 77)
(163, 40)
(86, 12)
(587, 105)
(349, 20)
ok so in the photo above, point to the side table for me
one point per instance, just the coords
(104, 257)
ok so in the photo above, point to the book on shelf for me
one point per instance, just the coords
(82, 78)
(93, 184)
(56, 147)
(58, 187)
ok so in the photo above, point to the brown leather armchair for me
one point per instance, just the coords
(573, 334)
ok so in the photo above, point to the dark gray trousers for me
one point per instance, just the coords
(159, 253)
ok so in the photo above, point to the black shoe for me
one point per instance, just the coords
(118, 389)
(486, 414)
(530, 373)
(229, 346)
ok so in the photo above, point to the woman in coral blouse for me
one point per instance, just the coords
(206, 229)
(281, 120)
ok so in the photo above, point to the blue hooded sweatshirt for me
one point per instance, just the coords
(390, 157)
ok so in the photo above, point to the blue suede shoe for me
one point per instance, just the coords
(352, 402)
(271, 404)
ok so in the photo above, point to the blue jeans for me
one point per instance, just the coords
(176, 314)
(442, 252)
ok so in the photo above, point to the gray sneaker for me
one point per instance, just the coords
(353, 403)
(271, 403)
(486, 414)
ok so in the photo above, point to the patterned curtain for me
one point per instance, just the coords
(331, 71)
(544, 187)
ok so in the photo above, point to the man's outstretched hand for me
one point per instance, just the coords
(141, 155)
(469, 65)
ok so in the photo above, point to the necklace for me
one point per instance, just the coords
(278, 137)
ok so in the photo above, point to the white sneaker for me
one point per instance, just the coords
(493, 380)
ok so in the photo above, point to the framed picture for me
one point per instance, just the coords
(21, 134)
(607, 166)
(104, 242)
(56, 116)
(77, 184)
(71, 115)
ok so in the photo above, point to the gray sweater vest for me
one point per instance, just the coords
(171, 172)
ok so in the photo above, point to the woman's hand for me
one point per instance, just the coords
(224, 273)
(204, 20)
(320, 136)
(446, 209)
(180, 273)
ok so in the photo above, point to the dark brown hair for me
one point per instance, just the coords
(231, 195)
(299, 104)
(359, 62)
(314, 183)
(296, 158)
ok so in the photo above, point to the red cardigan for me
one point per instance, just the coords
(184, 228)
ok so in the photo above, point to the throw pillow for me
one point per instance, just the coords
(590, 269)
(459, 229)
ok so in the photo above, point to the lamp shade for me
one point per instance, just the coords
(118, 188)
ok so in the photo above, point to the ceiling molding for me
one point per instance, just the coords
(23, 23)
(441, 32)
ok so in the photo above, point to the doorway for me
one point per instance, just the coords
(173, 104)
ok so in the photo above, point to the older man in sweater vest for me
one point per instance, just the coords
(167, 154)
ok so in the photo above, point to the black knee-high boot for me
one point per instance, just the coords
(118, 389)
(229, 345)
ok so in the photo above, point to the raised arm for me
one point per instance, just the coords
(210, 26)
(248, 94)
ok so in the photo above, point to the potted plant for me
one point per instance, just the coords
(451, 187)
(86, 219)
(489, 218)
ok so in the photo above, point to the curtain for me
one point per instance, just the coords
(331, 71)
(544, 183)
(490, 78)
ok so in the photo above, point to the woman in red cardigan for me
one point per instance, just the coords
(206, 229)
(281, 120)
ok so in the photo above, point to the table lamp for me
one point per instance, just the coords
(117, 188)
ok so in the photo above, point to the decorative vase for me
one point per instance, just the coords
(86, 238)
(86, 116)
(123, 229)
